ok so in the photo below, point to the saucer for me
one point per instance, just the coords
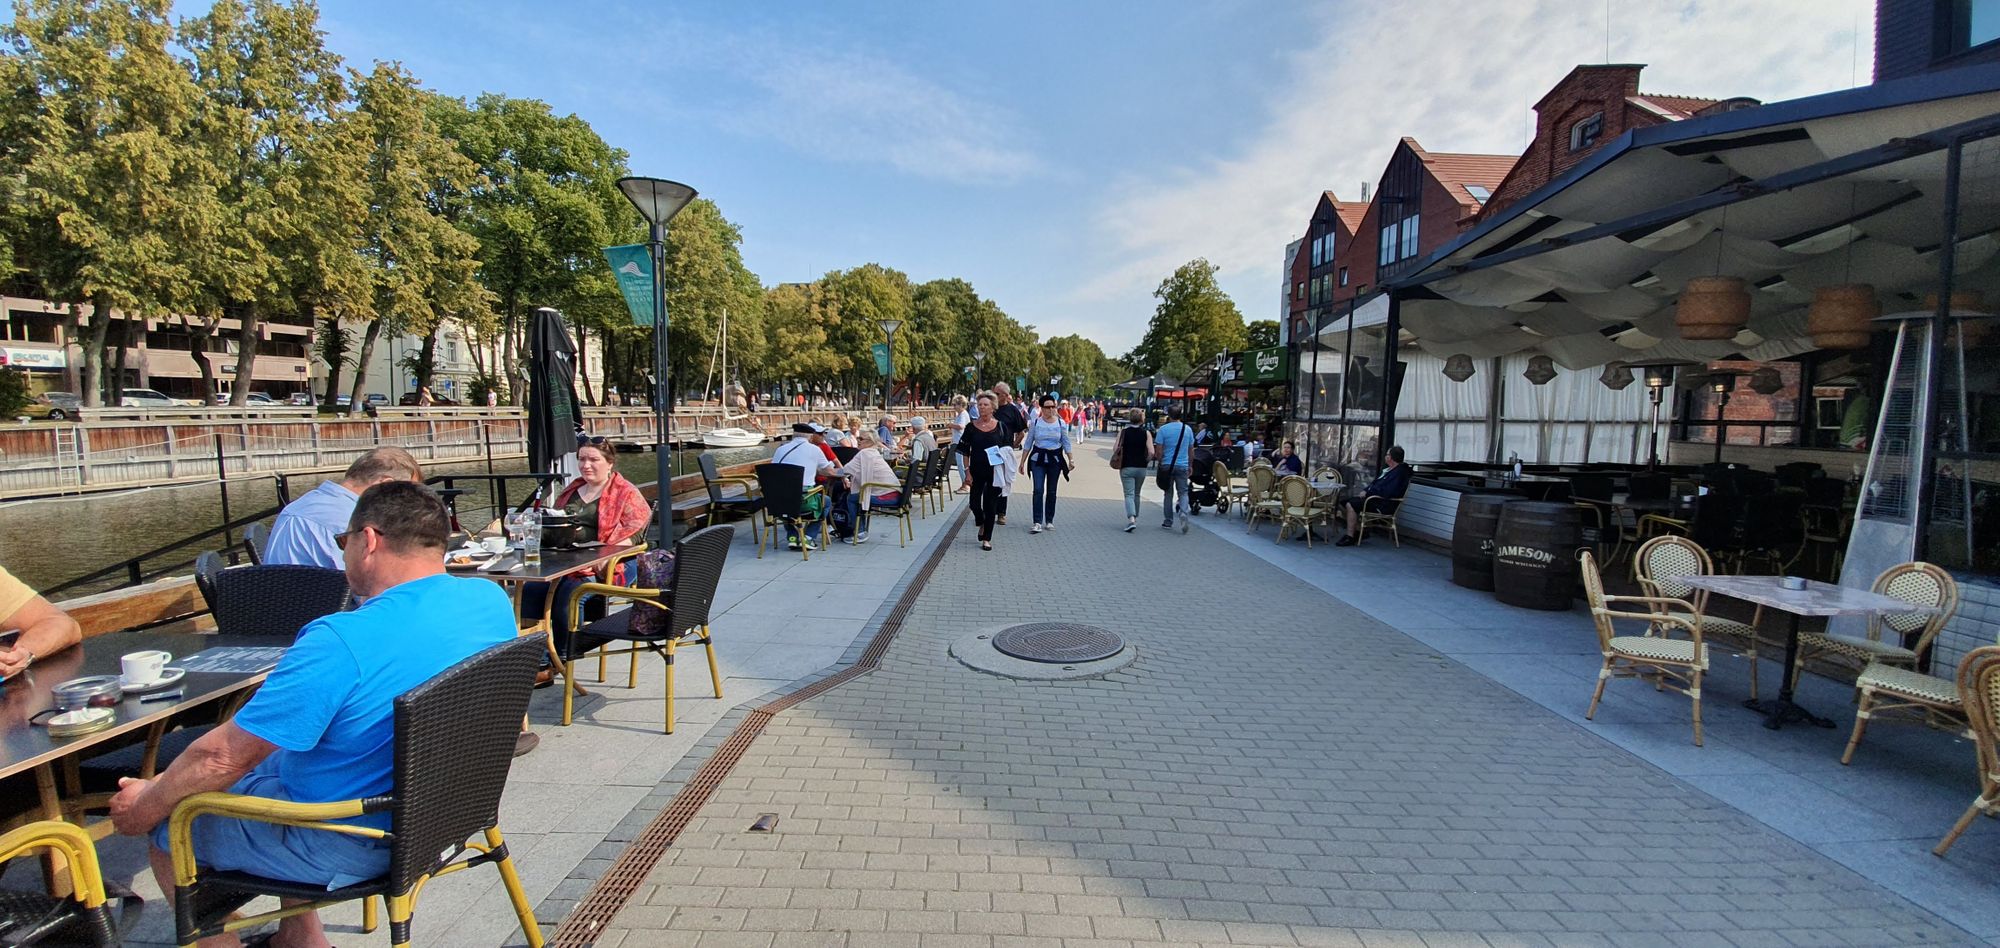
(166, 678)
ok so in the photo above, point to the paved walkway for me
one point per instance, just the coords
(1277, 768)
(578, 799)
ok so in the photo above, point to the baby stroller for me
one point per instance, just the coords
(1202, 489)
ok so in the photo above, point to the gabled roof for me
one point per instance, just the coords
(1455, 170)
(1673, 107)
(1349, 213)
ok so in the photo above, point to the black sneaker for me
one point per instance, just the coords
(1345, 541)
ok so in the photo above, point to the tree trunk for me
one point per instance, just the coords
(246, 355)
(117, 374)
(475, 346)
(198, 337)
(506, 370)
(426, 361)
(72, 318)
(357, 399)
(334, 350)
(583, 364)
(93, 386)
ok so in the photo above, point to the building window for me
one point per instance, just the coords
(1343, 276)
(1585, 133)
(1969, 23)
(1385, 249)
(1299, 290)
(1479, 192)
(1409, 248)
(1316, 256)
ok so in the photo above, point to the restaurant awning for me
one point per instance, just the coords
(1792, 197)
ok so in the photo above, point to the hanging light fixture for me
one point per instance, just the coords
(1541, 369)
(1616, 376)
(1841, 316)
(1458, 368)
(1766, 381)
(1713, 307)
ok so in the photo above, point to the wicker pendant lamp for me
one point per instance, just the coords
(1842, 316)
(1712, 307)
(1541, 369)
(1616, 376)
(1458, 368)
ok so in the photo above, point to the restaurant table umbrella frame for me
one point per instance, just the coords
(554, 420)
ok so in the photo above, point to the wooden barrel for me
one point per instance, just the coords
(1534, 554)
(1472, 538)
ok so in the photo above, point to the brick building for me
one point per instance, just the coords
(1918, 36)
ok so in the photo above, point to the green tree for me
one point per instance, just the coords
(420, 268)
(268, 87)
(1194, 320)
(1080, 362)
(863, 297)
(1260, 334)
(795, 326)
(705, 278)
(97, 113)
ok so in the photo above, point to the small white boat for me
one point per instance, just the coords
(732, 438)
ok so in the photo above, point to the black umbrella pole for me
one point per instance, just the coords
(662, 414)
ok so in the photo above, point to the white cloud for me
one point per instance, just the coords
(858, 108)
(1458, 77)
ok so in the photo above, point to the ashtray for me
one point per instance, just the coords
(81, 721)
(100, 691)
(1792, 582)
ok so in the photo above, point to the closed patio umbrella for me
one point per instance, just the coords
(554, 418)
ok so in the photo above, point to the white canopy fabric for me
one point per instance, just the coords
(1612, 298)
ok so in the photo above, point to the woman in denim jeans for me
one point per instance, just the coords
(1046, 458)
(1135, 462)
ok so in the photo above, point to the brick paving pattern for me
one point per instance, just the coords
(1276, 768)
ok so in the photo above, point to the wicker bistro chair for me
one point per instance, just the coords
(1261, 497)
(1651, 656)
(256, 537)
(207, 566)
(1896, 693)
(276, 600)
(785, 500)
(1296, 496)
(83, 917)
(1979, 691)
(1228, 489)
(1379, 511)
(1662, 565)
(729, 494)
(687, 602)
(454, 740)
(1916, 583)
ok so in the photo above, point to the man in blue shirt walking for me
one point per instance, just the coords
(320, 729)
(304, 531)
(1173, 444)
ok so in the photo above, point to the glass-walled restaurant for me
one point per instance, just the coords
(1792, 299)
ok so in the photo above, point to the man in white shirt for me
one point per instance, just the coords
(803, 452)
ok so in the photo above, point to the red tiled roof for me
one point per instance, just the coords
(1686, 105)
(1351, 213)
(1458, 170)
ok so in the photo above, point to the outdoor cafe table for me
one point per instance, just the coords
(28, 747)
(555, 565)
(1817, 599)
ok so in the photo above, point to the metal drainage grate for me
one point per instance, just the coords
(1057, 642)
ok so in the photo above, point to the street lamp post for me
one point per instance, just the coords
(889, 327)
(979, 380)
(658, 200)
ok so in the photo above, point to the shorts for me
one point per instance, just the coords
(274, 851)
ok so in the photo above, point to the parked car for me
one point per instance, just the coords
(258, 399)
(55, 406)
(377, 399)
(300, 398)
(410, 398)
(146, 398)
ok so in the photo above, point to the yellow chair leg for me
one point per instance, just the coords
(569, 691)
(512, 880)
(369, 919)
(714, 670)
(600, 666)
(632, 669)
(670, 686)
(399, 920)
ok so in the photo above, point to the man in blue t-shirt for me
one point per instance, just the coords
(321, 727)
(1172, 445)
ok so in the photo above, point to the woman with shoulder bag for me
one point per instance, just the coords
(1132, 456)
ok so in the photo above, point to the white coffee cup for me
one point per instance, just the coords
(494, 544)
(144, 668)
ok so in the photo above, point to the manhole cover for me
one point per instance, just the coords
(1057, 642)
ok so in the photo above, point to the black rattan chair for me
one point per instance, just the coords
(206, 567)
(940, 478)
(454, 742)
(901, 507)
(785, 498)
(687, 602)
(845, 452)
(729, 495)
(82, 918)
(255, 538)
(276, 600)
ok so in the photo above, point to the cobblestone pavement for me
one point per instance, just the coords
(1277, 768)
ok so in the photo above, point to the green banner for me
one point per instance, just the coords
(881, 350)
(633, 266)
(1264, 366)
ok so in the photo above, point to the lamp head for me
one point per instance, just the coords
(890, 325)
(657, 199)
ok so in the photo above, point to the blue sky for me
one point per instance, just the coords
(1064, 157)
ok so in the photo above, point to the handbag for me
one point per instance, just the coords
(656, 571)
(1164, 476)
(1118, 454)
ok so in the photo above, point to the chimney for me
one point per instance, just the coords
(1364, 192)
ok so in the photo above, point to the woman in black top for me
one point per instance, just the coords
(983, 432)
(1134, 455)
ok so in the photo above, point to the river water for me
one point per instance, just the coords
(47, 542)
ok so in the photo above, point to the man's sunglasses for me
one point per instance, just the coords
(340, 539)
